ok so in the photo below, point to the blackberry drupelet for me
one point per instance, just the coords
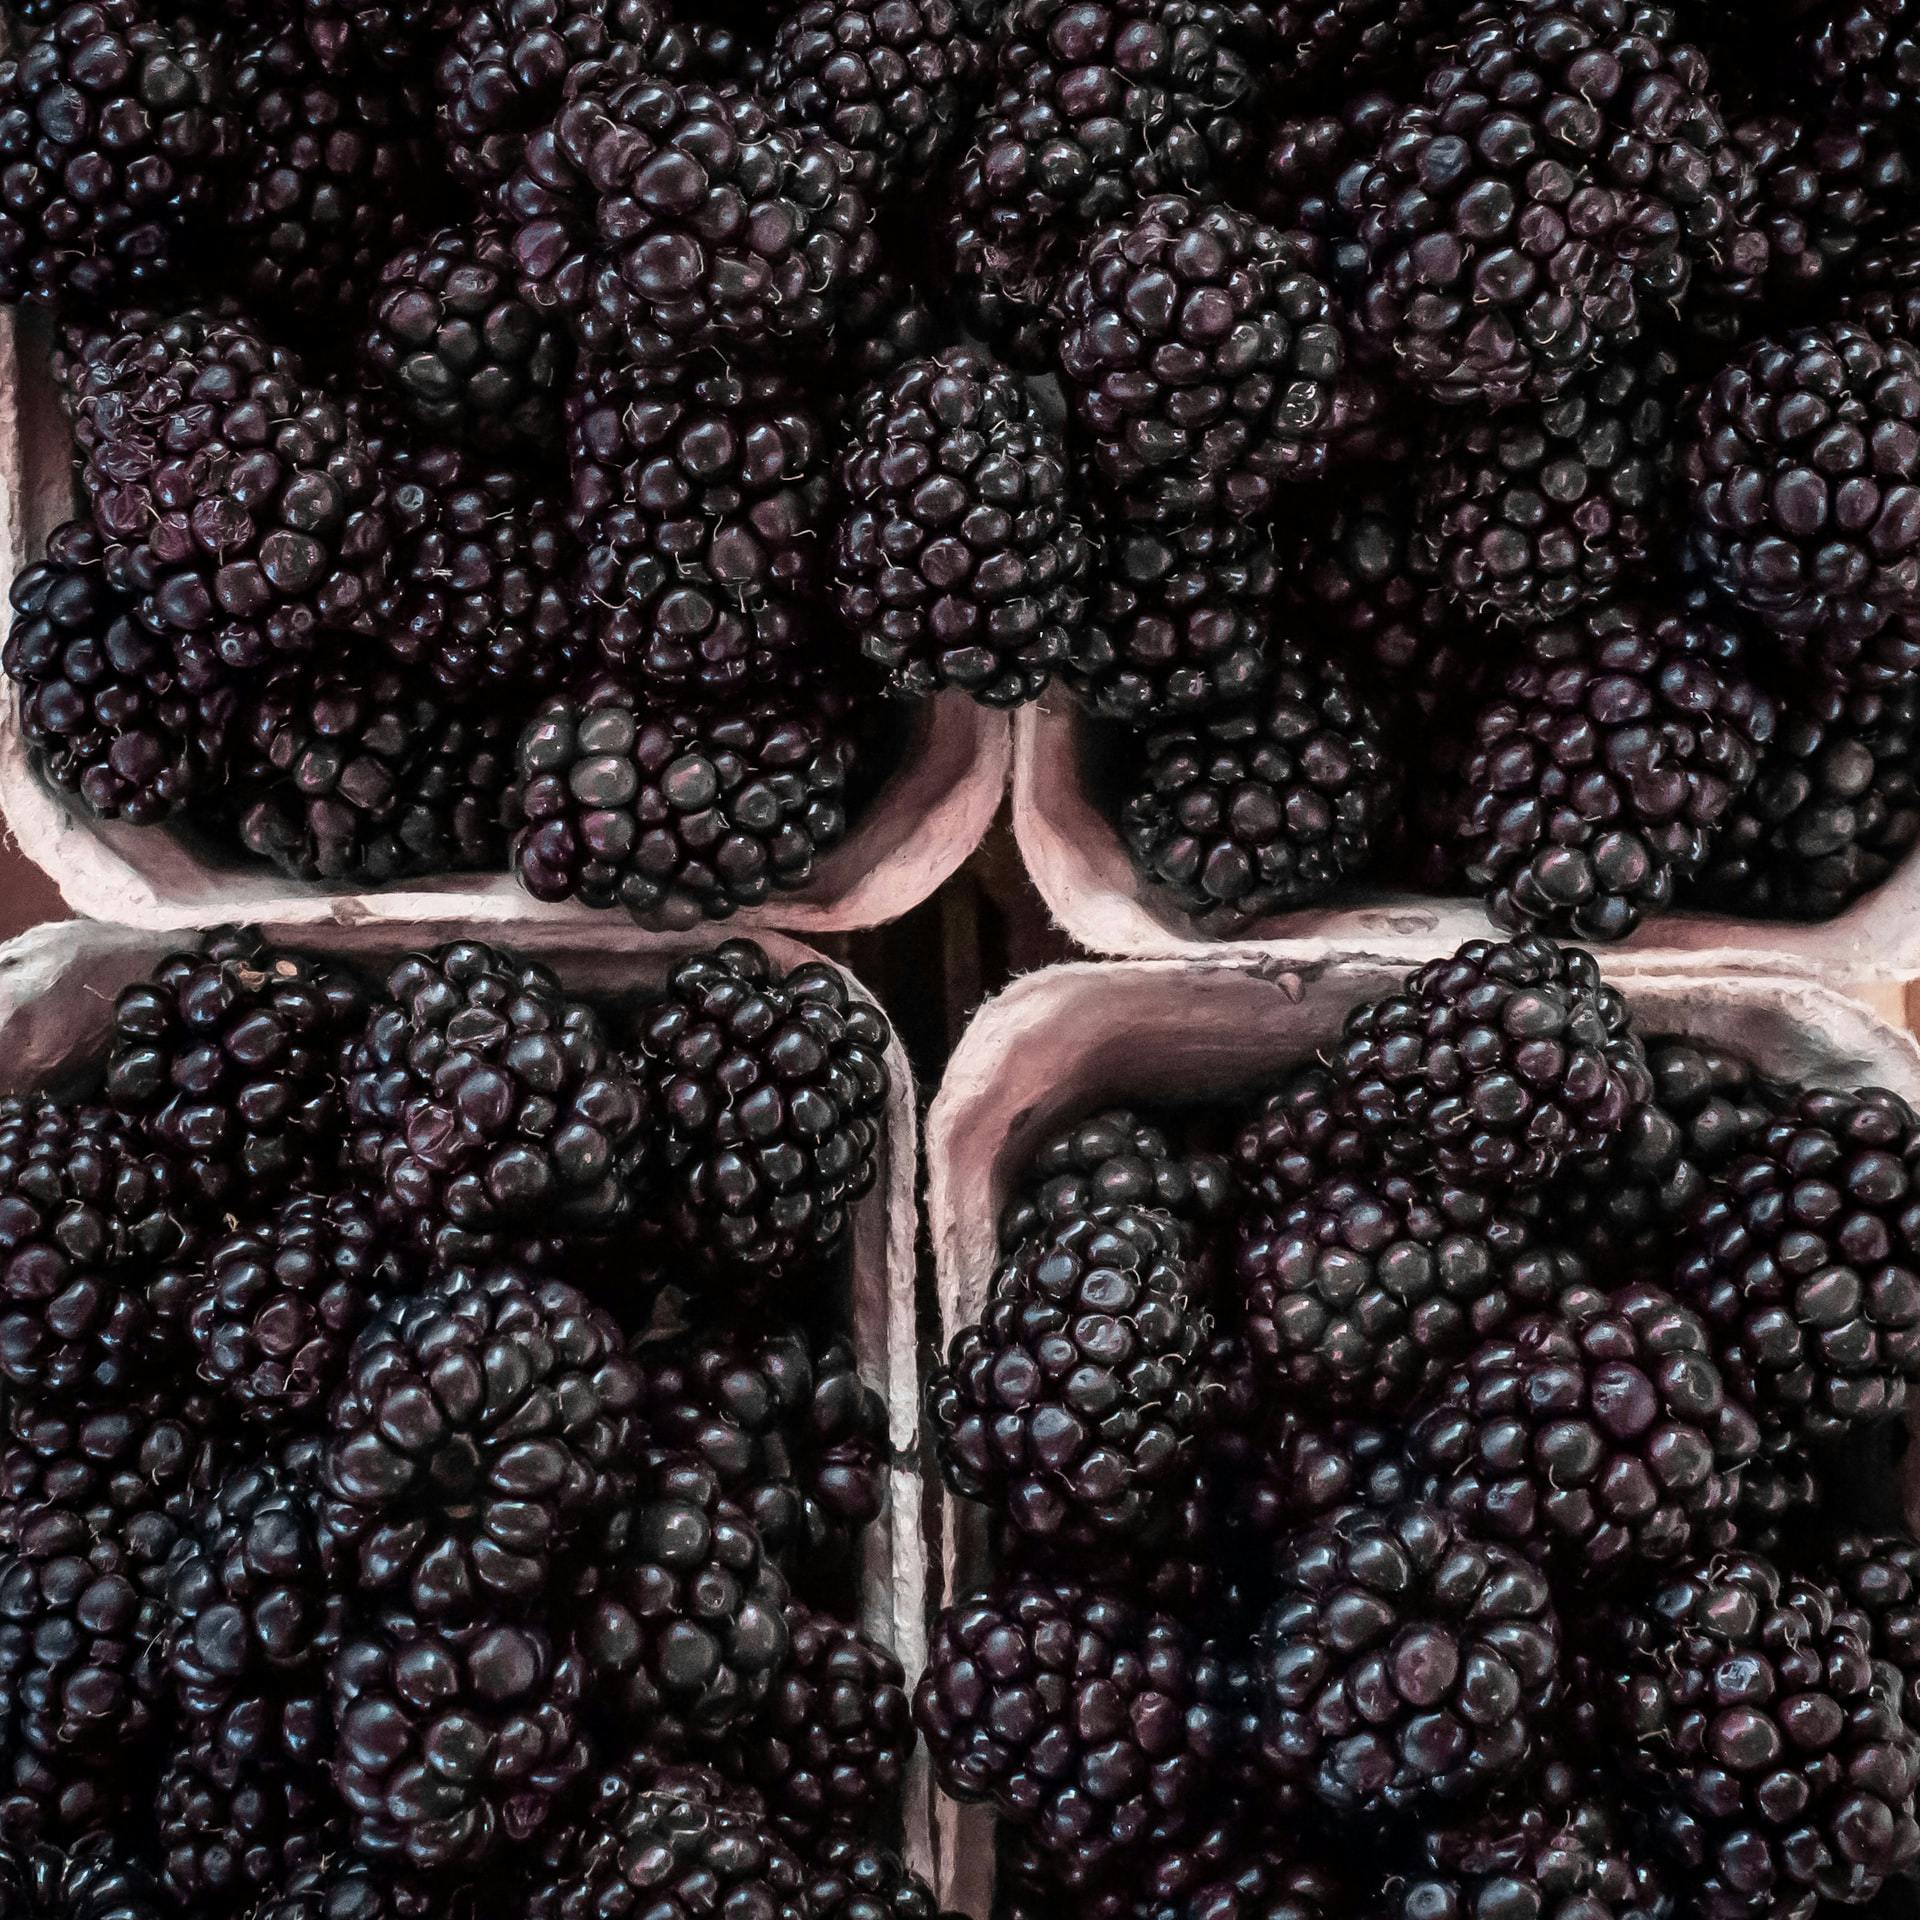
(1301, 1466)
(1296, 1138)
(234, 1830)
(1116, 1158)
(851, 1878)
(957, 561)
(1404, 1664)
(95, 1878)
(348, 1889)
(1263, 807)
(1865, 56)
(349, 35)
(1604, 763)
(1317, 38)
(1879, 1575)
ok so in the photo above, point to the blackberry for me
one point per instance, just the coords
(1179, 622)
(454, 1743)
(483, 1096)
(1203, 359)
(1881, 294)
(351, 34)
(1264, 807)
(1296, 1138)
(477, 1432)
(1299, 1467)
(957, 561)
(1074, 1713)
(852, 1878)
(1779, 1487)
(233, 1831)
(678, 816)
(1879, 1575)
(1404, 1664)
(1799, 464)
(1530, 514)
(347, 1889)
(1496, 1066)
(1865, 55)
(1802, 1259)
(1773, 1744)
(460, 352)
(111, 133)
(888, 80)
(1604, 764)
(1071, 1406)
(1115, 1158)
(887, 322)
(95, 1878)
(1316, 38)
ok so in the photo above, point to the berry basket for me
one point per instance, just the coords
(1071, 1038)
(1075, 854)
(928, 815)
(57, 990)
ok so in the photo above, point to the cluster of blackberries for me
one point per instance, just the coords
(413, 1499)
(1468, 1494)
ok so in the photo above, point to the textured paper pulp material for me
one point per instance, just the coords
(927, 817)
(57, 989)
(1074, 852)
(1068, 1040)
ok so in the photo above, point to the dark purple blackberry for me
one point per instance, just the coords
(111, 134)
(233, 1831)
(853, 1878)
(1292, 1468)
(678, 816)
(676, 1614)
(889, 80)
(460, 352)
(1779, 1769)
(1179, 622)
(1604, 764)
(1404, 1664)
(349, 35)
(1264, 807)
(483, 1097)
(1296, 1138)
(1801, 467)
(1780, 1488)
(348, 1889)
(1879, 1575)
(771, 1092)
(1528, 515)
(96, 1878)
(1310, 178)
(957, 561)
(887, 321)
(1071, 1406)
(1805, 1260)
(1320, 39)
(1075, 1714)
(1496, 1066)
(453, 1744)
(1116, 1158)
(1202, 357)
(477, 1432)
(1864, 55)
(1883, 295)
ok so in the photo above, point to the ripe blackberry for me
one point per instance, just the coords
(888, 80)
(1779, 1488)
(1878, 1575)
(1263, 807)
(1404, 1664)
(1832, 810)
(1203, 358)
(1115, 1158)
(1528, 515)
(352, 34)
(453, 1744)
(1803, 1260)
(1071, 1406)
(343, 1888)
(956, 558)
(1295, 1467)
(1318, 38)
(678, 816)
(103, 705)
(887, 322)
(458, 349)
(482, 1096)
(477, 1432)
(1800, 464)
(1496, 1066)
(850, 1877)
(232, 1831)
(1604, 763)
(1074, 1713)
(112, 128)
(1296, 1138)
(1865, 55)
(1178, 623)
(1881, 295)
(1781, 1770)
(95, 1878)
(239, 501)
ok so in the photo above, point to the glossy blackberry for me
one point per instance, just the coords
(232, 1830)
(1881, 294)
(889, 80)
(237, 500)
(852, 1878)
(349, 35)
(482, 1096)
(1866, 57)
(1404, 1664)
(344, 1888)
(1773, 1743)
(1528, 515)
(477, 1432)
(1604, 764)
(1496, 1066)
(95, 1878)
(354, 773)
(678, 815)
(1264, 807)
(771, 1091)
(1802, 1259)
(111, 134)
(1070, 1407)
(1780, 1488)
(957, 560)
(453, 1743)
(1296, 1466)
(1073, 1712)
(1297, 1137)
(1202, 357)
(1340, 38)
(1116, 1158)
(1799, 464)
(887, 322)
